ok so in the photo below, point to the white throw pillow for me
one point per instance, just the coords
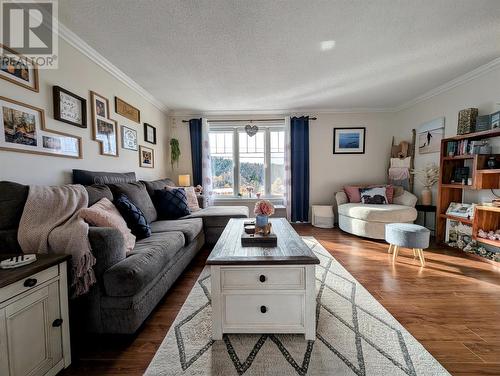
(373, 195)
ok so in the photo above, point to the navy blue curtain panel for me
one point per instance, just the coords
(299, 150)
(195, 135)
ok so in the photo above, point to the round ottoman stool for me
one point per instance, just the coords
(407, 235)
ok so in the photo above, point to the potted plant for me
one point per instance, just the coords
(427, 176)
(175, 152)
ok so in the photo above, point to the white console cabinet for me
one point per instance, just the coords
(34, 324)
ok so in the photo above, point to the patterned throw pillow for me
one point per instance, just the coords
(373, 195)
(171, 203)
(192, 199)
(133, 216)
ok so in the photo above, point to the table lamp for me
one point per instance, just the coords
(185, 180)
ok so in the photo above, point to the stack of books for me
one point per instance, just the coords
(458, 147)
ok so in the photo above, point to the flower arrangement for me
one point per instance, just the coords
(427, 176)
(264, 207)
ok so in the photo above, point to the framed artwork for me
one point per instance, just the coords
(129, 138)
(430, 135)
(146, 157)
(127, 110)
(459, 209)
(18, 69)
(149, 133)
(69, 107)
(22, 129)
(104, 130)
(349, 140)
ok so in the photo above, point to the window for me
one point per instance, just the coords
(244, 165)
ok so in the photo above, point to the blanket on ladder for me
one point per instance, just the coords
(50, 224)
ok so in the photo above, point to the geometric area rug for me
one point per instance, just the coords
(355, 335)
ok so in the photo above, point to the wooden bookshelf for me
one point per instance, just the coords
(486, 217)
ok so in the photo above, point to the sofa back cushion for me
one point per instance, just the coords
(105, 214)
(171, 203)
(97, 192)
(133, 216)
(86, 177)
(137, 193)
(12, 199)
(152, 186)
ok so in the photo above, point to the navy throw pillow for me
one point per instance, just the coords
(171, 203)
(133, 216)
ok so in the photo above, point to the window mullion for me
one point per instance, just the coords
(236, 159)
(267, 162)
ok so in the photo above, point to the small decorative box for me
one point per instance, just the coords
(483, 123)
(467, 120)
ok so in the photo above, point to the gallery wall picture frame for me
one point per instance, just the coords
(104, 130)
(127, 110)
(349, 140)
(23, 129)
(129, 138)
(18, 69)
(69, 107)
(146, 157)
(149, 133)
(429, 136)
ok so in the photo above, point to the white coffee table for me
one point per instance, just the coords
(263, 290)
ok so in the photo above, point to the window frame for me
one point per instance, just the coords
(236, 130)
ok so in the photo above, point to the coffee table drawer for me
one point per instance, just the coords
(277, 310)
(255, 278)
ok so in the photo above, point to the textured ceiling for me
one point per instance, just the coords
(264, 55)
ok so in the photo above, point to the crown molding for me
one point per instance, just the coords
(291, 112)
(469, 76)
(82, 46)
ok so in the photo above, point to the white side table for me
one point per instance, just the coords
(322, 216)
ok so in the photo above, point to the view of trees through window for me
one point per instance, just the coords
(251, 154)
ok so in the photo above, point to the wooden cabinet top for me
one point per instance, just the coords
(291, 249)
(8, 276)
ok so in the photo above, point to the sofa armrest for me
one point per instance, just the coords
(108, 247)
(406, 199)
(341, 198)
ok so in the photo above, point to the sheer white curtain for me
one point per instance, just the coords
(288, 171)
(206, 163)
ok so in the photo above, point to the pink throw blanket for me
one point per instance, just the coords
(50, 224)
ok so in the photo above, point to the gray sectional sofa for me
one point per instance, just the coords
(128, 286)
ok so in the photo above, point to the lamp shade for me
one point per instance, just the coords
(184, 180)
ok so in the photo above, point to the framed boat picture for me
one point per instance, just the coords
(349, 140)
(18, 69)
(104, 130)
(127, 110)
(69, 108)
(146, 157)
(22, 129)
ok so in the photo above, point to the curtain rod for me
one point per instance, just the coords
(244, 120)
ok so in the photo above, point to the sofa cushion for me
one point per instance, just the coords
(149, 257)
(133, 216)
(12, 199)
(218, 216)
(191, 228)
(86, 177)
(379, 213)
(151, 186)
(97, 192)
(137, 193)
(171, 203)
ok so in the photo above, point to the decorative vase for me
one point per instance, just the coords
(261, 220)
(426, 196)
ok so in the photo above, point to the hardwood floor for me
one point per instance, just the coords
(452, 306)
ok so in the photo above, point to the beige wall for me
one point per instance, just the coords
(79, 74)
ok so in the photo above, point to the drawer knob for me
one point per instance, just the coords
(263, 309)
(57, 322)
(30, 282)
(262, 278)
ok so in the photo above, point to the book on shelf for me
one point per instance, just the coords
(461, 210)
(462, 147)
